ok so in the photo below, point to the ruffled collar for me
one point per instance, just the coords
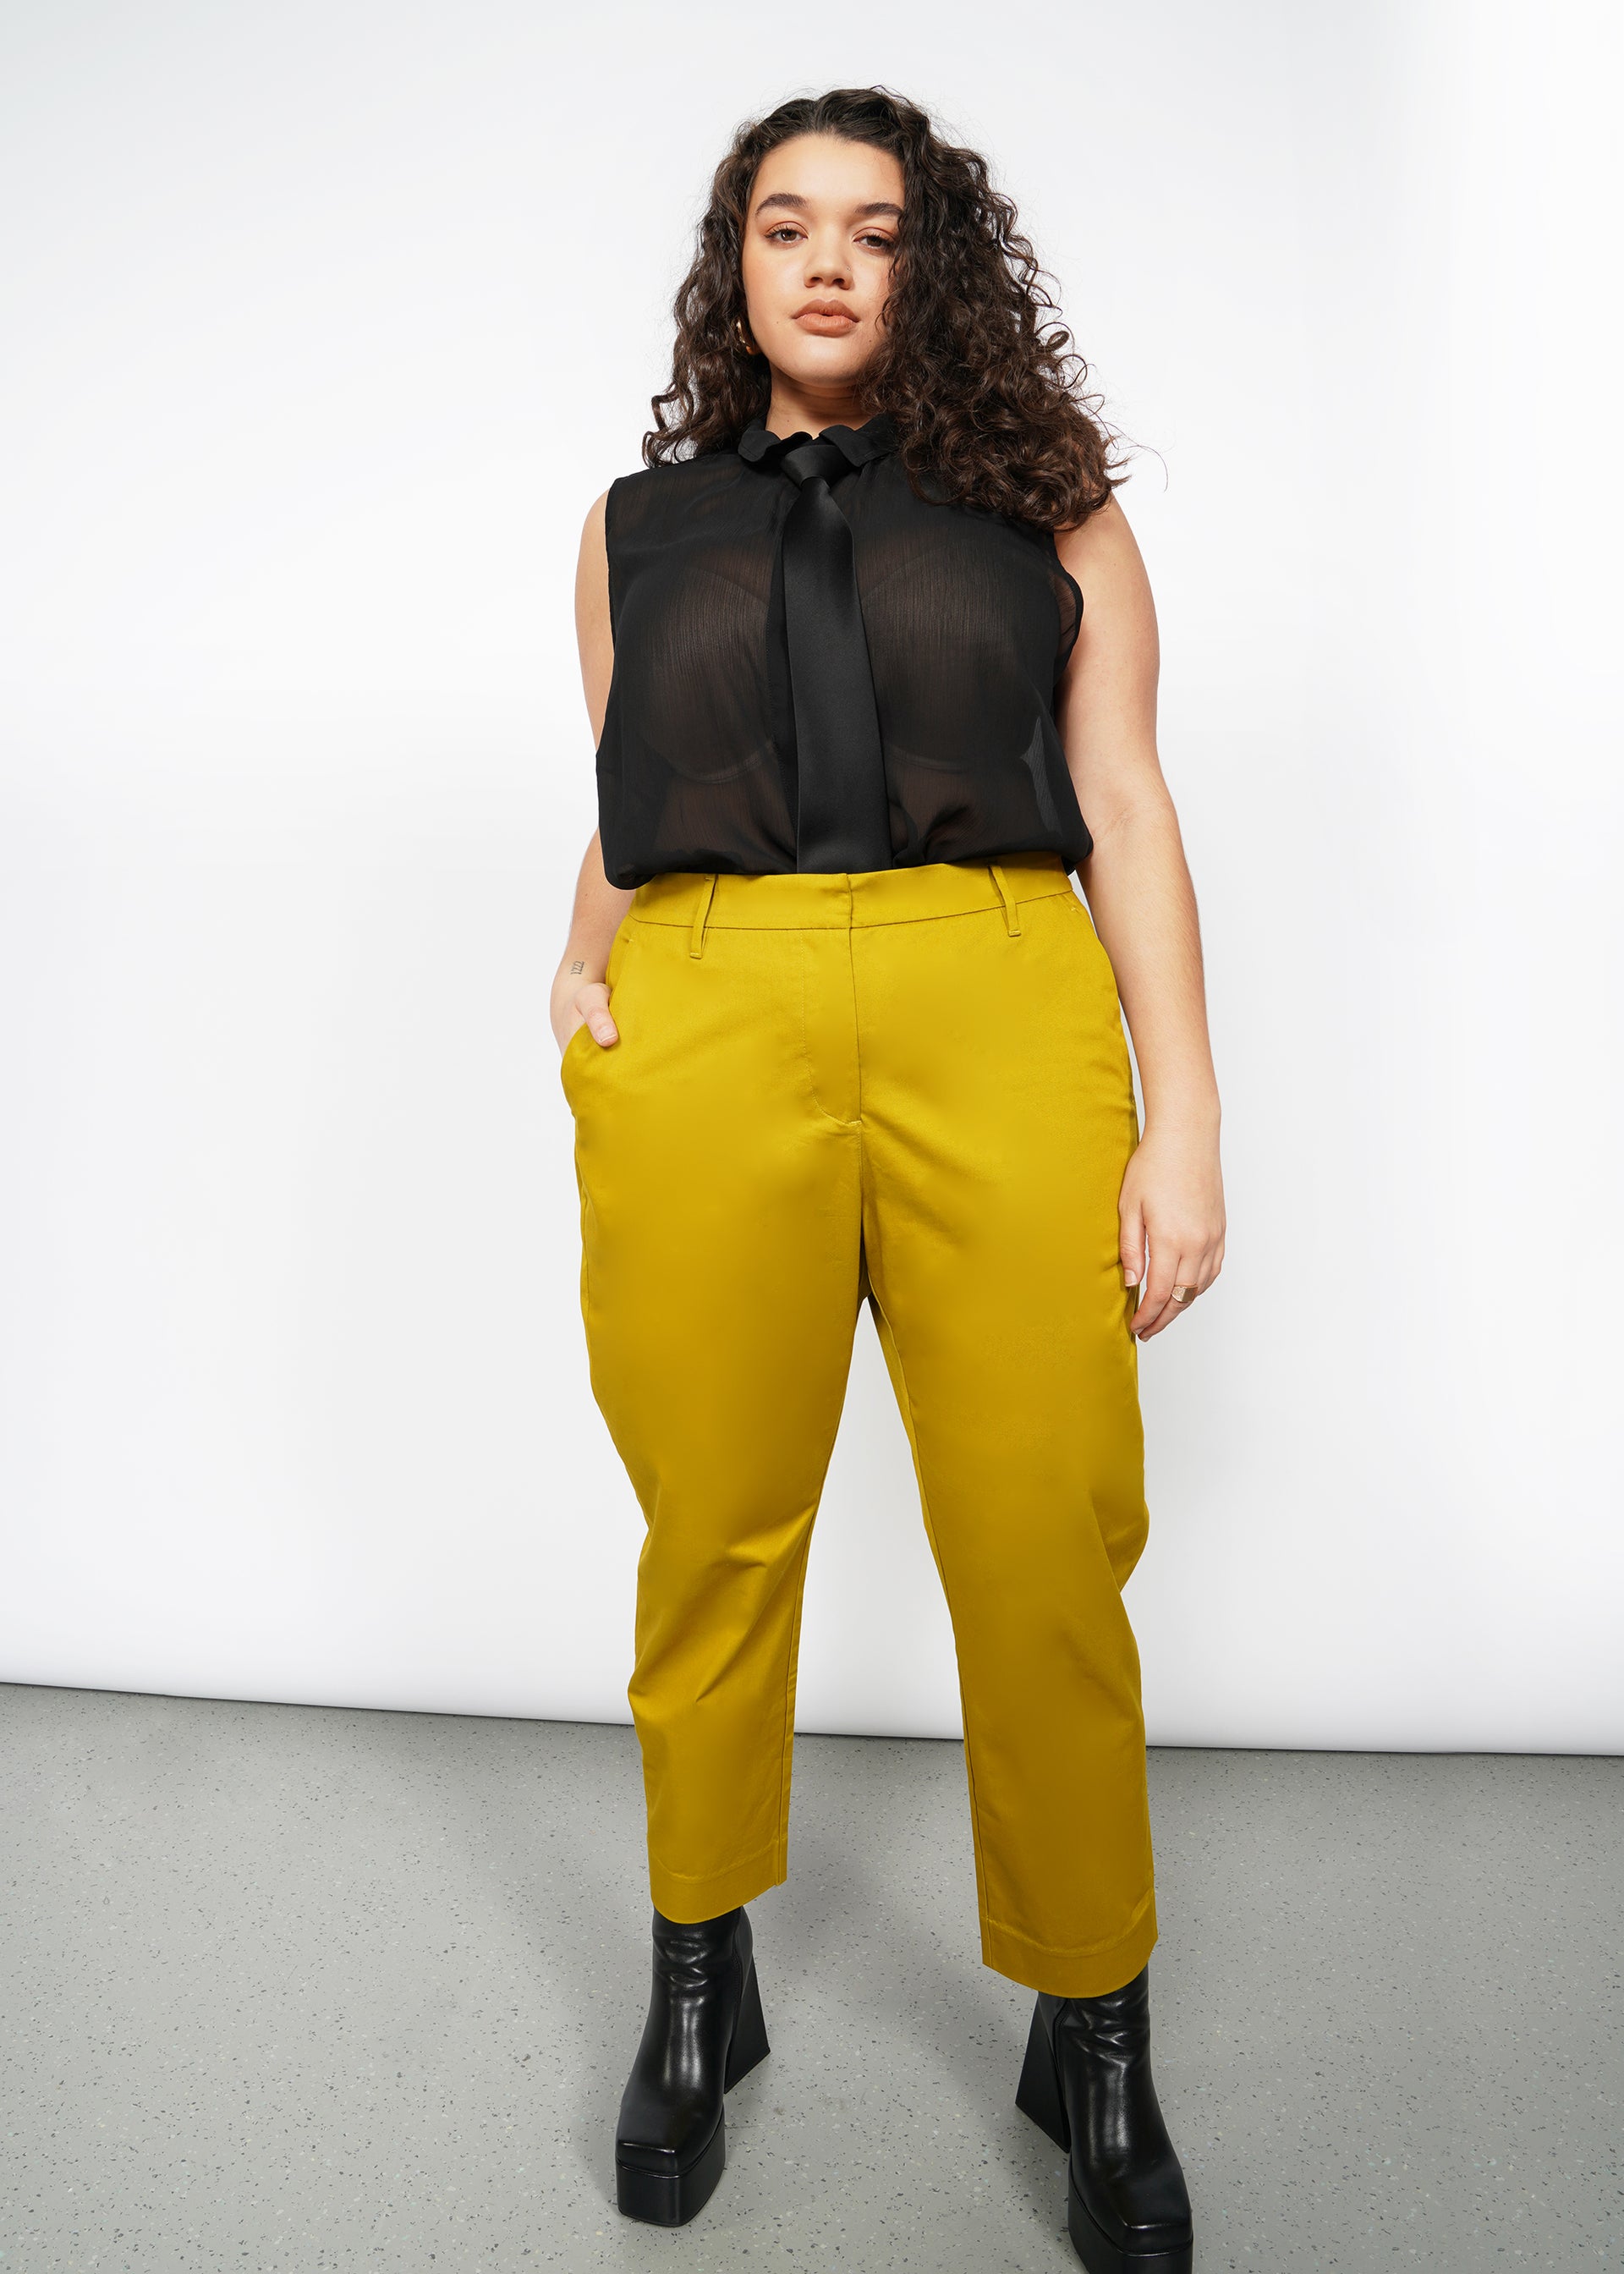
(858, 445)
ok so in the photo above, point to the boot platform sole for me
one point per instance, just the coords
(1037, 2096)
(672, 2198)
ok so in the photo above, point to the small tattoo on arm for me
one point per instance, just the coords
(574, 967)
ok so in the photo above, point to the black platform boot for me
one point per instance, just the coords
(704, 2031)
(1086, 2082)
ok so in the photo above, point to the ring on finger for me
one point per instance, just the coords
(1182, 1295)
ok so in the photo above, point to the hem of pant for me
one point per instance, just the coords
(1085, 1973)
(687, 1898)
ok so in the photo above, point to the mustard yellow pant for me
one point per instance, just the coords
(909, 1086)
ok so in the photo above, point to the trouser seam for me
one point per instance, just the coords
(787, 1753)
(924, 1503)
(787, 1756)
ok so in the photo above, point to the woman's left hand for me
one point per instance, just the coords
(1171, 1205)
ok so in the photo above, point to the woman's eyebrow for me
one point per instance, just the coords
(799, 205)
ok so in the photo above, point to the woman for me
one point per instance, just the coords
(836, 1028)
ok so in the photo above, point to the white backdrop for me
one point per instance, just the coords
(323, 324)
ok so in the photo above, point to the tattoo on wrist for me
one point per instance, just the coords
(575, 968)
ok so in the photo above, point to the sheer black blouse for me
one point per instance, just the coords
(969, 619)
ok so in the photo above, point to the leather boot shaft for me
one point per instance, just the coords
(704, 2031)
(1088, 2082)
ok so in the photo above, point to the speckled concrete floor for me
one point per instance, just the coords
(294, 1988)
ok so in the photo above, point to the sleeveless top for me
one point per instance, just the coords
(969, 619)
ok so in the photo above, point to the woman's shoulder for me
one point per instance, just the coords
(652, 493)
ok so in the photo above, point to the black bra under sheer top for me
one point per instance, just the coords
(969, 619)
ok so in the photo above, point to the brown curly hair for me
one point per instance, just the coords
(986, 393)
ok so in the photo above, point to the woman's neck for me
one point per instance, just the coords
(795, 408)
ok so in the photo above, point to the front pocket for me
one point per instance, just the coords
(1080, 906)
(564, 1056)
(1079, 911)
(584, 1033)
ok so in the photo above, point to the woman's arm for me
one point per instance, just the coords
(1144, 910)
(578, 989)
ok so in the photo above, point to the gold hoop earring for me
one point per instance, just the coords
(743, 337)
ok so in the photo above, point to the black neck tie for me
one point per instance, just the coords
(842, 819)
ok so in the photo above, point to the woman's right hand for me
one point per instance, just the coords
(580, 990)
(578, 1001)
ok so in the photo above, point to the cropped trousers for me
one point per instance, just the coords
(910, 1088)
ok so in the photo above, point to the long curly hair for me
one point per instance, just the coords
(980, 375)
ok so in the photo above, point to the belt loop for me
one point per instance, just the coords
(1011, 920)
(696, 938)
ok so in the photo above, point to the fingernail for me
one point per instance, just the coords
(1130, 1278)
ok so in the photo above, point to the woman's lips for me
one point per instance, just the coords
(830, 322)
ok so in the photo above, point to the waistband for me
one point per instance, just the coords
(836, 900)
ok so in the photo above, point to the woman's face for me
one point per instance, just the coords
(818, 245)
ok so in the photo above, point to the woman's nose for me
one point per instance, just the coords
(826, 265)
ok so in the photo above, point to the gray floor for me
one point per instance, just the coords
(296, 1988)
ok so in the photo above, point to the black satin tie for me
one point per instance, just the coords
(842, 819)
